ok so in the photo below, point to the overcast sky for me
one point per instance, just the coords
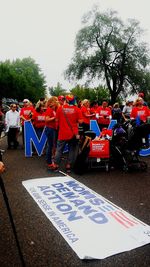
(46, 29)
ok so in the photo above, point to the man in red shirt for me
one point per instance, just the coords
(68, 117)
(103, 115)
(61, 100)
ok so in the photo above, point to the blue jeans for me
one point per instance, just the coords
(50, 133)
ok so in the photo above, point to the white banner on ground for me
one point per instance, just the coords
(94, 227)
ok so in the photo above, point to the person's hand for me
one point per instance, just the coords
(2, 167)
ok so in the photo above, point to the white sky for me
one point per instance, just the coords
(46, 29)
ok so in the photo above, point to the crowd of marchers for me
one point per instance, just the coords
(61, 118)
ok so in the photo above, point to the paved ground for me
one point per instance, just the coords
(41, 243)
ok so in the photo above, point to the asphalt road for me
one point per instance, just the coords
(41, 243)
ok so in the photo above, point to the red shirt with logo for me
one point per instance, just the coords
(68, 127)
(39, 119)
(26, 112)
(142, 112)
(50, 113)
(104, 115)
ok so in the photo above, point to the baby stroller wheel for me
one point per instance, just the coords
(107, 167)
(125, 168)
(143, 165)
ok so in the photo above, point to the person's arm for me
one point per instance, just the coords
(6, 122)
(2, 167)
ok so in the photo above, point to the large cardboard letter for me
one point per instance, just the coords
(145, 152)
(95, 128)
(32, 138)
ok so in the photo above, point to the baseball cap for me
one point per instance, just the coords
(26, 100)
(69, 98)
(141, 94)
(61, 97)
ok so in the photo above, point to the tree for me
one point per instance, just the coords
(56, 91)
(21, 79)
(109, 50)
(99, 93)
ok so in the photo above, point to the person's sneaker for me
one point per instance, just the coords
(68, 168)
(53, 167)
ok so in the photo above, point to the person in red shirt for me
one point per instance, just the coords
(39, 117)
(141, 95)
(93, 109)
(61, 100)
(86, 114)
(103, 115)
(26, 113)
(50, 128)
(139, 110)
(68, 118)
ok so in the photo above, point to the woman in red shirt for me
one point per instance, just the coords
(50, 129)
(104, 115)
(139, 110)
(38, 118)
(86, 114)
(93, 109)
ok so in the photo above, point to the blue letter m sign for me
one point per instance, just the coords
(32, 138)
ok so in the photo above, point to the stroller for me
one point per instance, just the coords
(81, 163)
(94, 152)
(127, 140)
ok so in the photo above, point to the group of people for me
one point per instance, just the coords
(61, 117)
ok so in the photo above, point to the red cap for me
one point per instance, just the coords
(61, 97)
(141, 94)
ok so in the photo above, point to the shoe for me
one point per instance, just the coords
(53, 167)
(68, 168)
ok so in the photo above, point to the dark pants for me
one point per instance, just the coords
(12, 137)
(85, 126)
(73, 145)
(23, 134)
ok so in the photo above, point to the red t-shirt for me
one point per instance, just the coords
(26, 112)
(104, 115)
(73, 115)
(84, 111)
(143, 113)
(39, 119)
(93, 110)
(50, 113)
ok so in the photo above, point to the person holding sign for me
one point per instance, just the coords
(139, 110)
(103, 115)
(26, 113)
